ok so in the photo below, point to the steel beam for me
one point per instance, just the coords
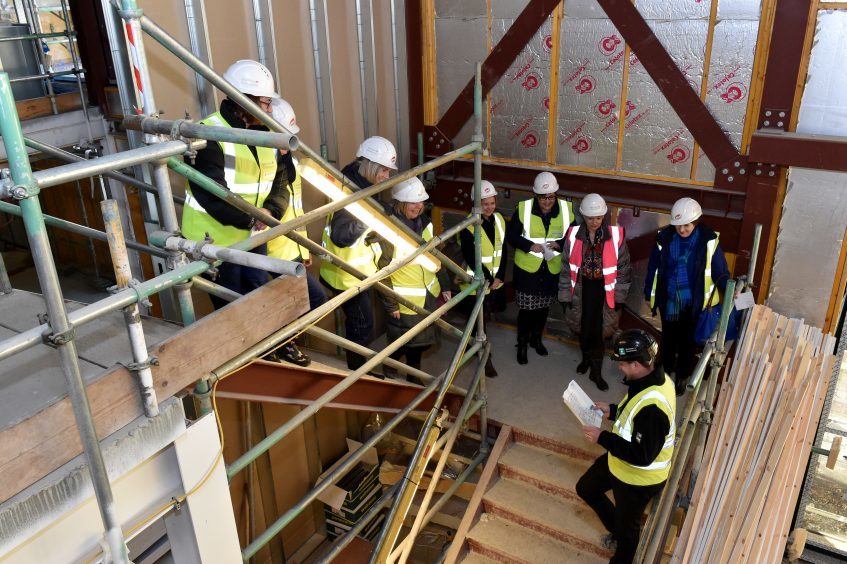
(774, 146)
(286, 383)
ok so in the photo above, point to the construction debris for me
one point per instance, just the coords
(759, 443)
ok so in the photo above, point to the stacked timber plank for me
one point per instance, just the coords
(759, 443)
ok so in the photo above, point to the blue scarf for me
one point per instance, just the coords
(679, 288)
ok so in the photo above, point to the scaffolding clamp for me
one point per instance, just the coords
(61, 338)
(139, 366)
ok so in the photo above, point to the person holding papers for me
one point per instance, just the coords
(537, 231)
(640, 445)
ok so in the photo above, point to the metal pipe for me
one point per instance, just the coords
(138, 292)
(202, 250)
(338, 340)
(132, 315)
(265, 37)
(334, 476)
(5, 283)
(216, 189)
(341, 542)
(726, 309)
(82, 230)
(131, 13)
(70, 157)
(186, 128)
(61, 330)
(754, 253)
(323, 76)
(69, 172)
(42, 76)
(396, 80)
(477, 212)
(90, 243)
(204, 94)
(406, 546)
(420, 457)
(172, 45)
(35, 25)
(69, 33)
(215, 289)
(281, 432)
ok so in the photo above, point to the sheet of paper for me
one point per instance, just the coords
(581, 405)
(549, 253)
(744, 300)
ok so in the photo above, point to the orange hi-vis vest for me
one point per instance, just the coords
(611, 248)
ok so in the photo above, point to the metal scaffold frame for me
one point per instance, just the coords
(187, 260)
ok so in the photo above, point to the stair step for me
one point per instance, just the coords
(504, 541)
(573, 523)
(584, 451)
(548, 471)
(476, 558)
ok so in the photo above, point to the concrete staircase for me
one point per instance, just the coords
(529, 511)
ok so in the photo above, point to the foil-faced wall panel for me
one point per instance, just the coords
(674, 9)
(590, 77)
(812, 224)
(730, 73)
(507, 9)
(739, 10)
(584, 9)
(655, 140)
(463, 9)
(520, 100)
(460, 42)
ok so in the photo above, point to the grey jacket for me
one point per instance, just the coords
(573, 296)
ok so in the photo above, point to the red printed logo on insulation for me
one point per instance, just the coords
(629, 107)
(633, 60)
(678, 154)
(546, 103)
(548, 43)
(608, 45)
(604, 109)
(530, 140)
(734, 92)
(585, 85)
(582, 145)
(531, 82)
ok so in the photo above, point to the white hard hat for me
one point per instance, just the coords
(593, 205)
(684, 211)
(379, 150)
(545, 183)
(251, 77)
(488, 190)
(409, 191)
(282, 112)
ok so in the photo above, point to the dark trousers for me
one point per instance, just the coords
(241, 279)
(622, 518)
(531, 324)
(358, 322)
(317, 296)
(677, 346)
(465, 307)
(413, 355)
(591, 324)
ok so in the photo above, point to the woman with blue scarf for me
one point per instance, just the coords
(685, 266)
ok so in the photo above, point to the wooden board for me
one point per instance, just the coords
(40, 107)
(48, 439)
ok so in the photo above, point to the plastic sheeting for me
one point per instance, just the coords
(812, 223)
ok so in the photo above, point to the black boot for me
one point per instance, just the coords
(538, 345)
(490, 371)
(289, 353)
(596, 363)
(597, 378)
(354, 360)
(522, 346)
(583, 365)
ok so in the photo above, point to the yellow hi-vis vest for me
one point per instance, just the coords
(709, 298)
(414, 281)
(663, 397)
(244, 176)
(533, 229)
(360, 255)
(491, 251)
(283, 247)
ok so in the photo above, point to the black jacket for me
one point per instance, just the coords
(210, 161)
(542, 282)
(649, 427)
(659, 260)
(344, 229)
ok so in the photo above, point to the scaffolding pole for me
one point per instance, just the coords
(61, 332)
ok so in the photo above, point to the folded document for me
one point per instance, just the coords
(581, 405)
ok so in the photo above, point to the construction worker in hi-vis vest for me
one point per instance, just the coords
(356, 244)
(494, 257)
(248, 171)
(639, 446)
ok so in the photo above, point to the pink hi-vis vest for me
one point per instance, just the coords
(611, 247)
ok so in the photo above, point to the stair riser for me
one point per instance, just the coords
(493, 553)
(546, 487)
(553, 446)
(581, 544)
